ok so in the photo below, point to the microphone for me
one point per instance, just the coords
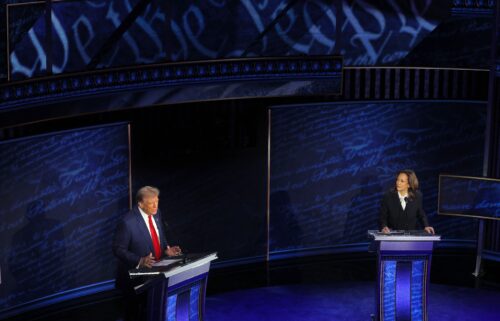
(406, 199)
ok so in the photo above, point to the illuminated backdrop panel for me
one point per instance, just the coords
(331, 164)
(469, 196)
(61, 195)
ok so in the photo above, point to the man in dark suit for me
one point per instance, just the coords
(401, 207)
(139, 241)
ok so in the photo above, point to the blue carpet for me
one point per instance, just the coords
(344, 301)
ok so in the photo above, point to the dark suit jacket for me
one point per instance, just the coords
(393, 216)
(133, 241)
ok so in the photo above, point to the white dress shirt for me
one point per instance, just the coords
(146, 220)
(402, 200)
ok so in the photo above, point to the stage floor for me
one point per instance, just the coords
(344, 301)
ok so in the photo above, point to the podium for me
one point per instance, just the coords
(176, 287)
(403, 270)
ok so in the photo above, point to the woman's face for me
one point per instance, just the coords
(402, 183)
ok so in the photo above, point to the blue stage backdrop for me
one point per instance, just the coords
(378, 33)
(469, 196)
(62, 194)
(331, 164)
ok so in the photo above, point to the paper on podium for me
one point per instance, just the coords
(172, 265)
(403, 235)
(166, 262)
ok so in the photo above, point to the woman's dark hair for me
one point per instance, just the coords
(412, 182)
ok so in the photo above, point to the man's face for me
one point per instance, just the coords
(149, 204)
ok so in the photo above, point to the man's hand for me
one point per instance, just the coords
(147, 261)
(429, 230)
(386, 230)
(173, 251)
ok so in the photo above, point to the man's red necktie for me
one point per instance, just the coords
(154, 237)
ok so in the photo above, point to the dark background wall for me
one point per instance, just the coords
(209, 161)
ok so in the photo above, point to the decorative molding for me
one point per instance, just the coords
(473, 7)
(401, 83)
(68, 86)
(136, 87)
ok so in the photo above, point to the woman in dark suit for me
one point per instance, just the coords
(401, 207)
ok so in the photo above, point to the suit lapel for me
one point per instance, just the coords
(409, 204)
(146, 237)
(397, 202)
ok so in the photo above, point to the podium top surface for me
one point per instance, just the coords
(403, 235)
(174, 265)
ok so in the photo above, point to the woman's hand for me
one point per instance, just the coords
(429, 230)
